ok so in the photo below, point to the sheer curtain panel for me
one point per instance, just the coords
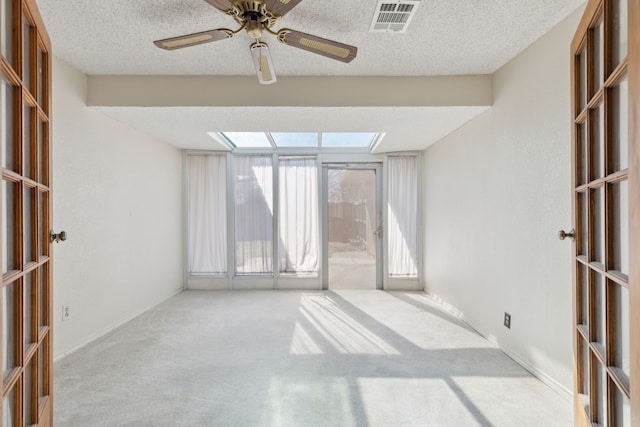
(403, 216)
(298, 209)
(254, 214)
(207, 206)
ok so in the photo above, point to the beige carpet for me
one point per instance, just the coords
(347, 358)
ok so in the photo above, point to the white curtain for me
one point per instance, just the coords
(254, 214)
(403, 216)
(298, 209)
(207, 214)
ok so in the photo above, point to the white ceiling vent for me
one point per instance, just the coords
(393, 16)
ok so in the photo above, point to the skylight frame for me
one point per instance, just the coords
(319, 147)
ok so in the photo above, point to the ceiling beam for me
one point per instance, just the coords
(228, 91)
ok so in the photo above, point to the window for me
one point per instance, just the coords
(253, 215)
(298, 215)
(402, 216)
(207, 201)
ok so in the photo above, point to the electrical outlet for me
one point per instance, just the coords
(507, 320)
(66, 313)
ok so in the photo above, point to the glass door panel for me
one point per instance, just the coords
(352, 232)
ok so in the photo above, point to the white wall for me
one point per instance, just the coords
(496, 192)
(117, 193)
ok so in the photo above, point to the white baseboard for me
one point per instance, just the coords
(536, 372)
(110, 328)
(542, 376)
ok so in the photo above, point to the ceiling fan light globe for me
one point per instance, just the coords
(263, 64)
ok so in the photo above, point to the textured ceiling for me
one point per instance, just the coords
(451, 37)
(445, 37)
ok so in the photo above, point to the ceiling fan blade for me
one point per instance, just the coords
(223, 5)
(325, 47)
(194, 39)
(280, 7)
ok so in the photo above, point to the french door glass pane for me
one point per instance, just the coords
(9, 224)
(600, 391)
(352, 221)
(7, 38)
(28, 291)
(298, 204)
(583, 289)
(620, 23)
(26, 142)
(8, 328)
(40, 240)
(619, 147)
(623, 410)
(7, 125)
(27, 67)
(597, 56)
(581, 154)
(621, 300)
(596, 143)
(42, 294)
(29, 401)
(597, 226)
(42, 81)
(254, 214)
(583, 363)
(42, 152)
(28, 232)
(620, 227)
(582, 75)
(39, 76)
(599, 308)
(583, 226)
(41, 358)
(9, 408)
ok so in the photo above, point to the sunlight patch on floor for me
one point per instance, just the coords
(551, 409)
(403, 312)
(302, 343)
(308, 401)
(345, 334)
(420, 401)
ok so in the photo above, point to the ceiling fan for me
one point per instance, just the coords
(257, 17)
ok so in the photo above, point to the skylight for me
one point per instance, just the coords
(292, 139)
(330, 139)
(248, 140)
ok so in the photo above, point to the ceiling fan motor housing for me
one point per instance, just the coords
(246, 11)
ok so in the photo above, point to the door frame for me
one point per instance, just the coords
(380, 217)
(633, 71)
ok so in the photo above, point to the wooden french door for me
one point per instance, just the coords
(25, 203)
(605, 170)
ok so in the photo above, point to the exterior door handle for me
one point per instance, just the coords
(563, 234)
(57, 237)
(378, 232)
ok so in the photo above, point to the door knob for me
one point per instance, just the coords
(563, 234)
(57, 237)
(378, 232)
